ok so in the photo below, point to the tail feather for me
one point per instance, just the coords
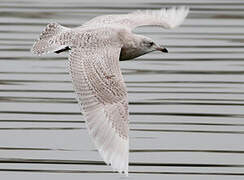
(51, 39)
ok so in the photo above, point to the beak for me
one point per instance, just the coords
(162, 49)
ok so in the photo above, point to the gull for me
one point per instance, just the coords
(95, 49)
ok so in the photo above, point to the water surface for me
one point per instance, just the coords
(186, 107)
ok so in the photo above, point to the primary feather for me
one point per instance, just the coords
(166, 18)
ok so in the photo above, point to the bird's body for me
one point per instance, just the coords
(95, 49)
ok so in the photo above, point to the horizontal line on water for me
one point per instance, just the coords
(71, 91)
(193, 33)
(213, 14)
(87, 162)
(143, 82)
(130, 172)
(206, 52)
(63, 72)
(151, 5)
(42, 128)
(132, 113)
(206, 46)
(177, 36)
(6, 81)
(188, 131)
(17, 39)
(33, 81)
(166, 86)
(131, 150)
(186, 103)
(186, 150)
(130, 71)
(16, 32)
(38, 58)
(167, 3)
(131, 82)
(187, 123)
(188, 59)
(189, 114)
(196, 99)
(155, 92)
(224, 50)
(40, 112)
(190, 35)
(132, 129)
(225, 9)
(185, 82)
(212, 34)
(9, 100)
(36, 90)
(148, 100)
(43, 121)
(184, 92)
(73, 101)
(34, 149)
(32, 24)
(146, 123)
(144, 71)
(195, 25)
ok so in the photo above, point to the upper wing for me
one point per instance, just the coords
(101, 91)
(166, 18)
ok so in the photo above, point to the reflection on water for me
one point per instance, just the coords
(186, 107)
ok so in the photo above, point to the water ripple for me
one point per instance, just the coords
(203, 71)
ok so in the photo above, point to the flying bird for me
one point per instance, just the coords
(95, 49)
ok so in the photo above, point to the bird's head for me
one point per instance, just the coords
(138, 46)
(148, 45)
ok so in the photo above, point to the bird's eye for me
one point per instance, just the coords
(148, 43)
(151, 43)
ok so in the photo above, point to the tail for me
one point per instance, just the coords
(53, 38)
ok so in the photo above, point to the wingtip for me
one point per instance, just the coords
(113, 149)
(185, 10)
(177, 14)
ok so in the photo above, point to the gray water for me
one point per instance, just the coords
(186, 107)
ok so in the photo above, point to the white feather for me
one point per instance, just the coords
(166, 18)
(106, 125)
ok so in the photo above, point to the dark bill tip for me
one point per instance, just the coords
(165, 50)
(162, 49)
